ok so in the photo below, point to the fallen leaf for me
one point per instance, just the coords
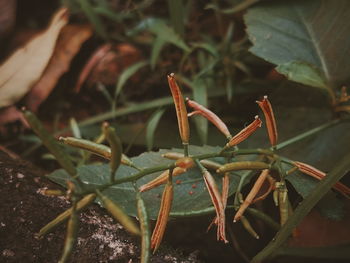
(25, 66)
(68, 44)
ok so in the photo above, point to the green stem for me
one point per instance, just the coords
(321, 189)
(306, 134)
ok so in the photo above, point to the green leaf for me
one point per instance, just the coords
(200, 95)
(314, 32)
(304, 73)
(152, 126)
(124, 194)
(162, 30)
(126, 74)
(157, 47)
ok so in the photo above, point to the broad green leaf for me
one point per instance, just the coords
(162, 30)
(176, 10)
(313, 32)
(304, 73)
(126, 74)
(152, 126)
(124, 194)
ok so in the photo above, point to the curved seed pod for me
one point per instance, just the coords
(210, 116)
(145, 230)
(266, 107)
(50, 142)
(116, 148)
(244, 165)
(161, 179)
(253, 192)
(163, 215)
(83, 203)
(271, 188)
(217, 202)
(245, 133)
(119, 214)
(314, 172)
(181, 110)
(185, 163)
(71, 236)
(246, 224)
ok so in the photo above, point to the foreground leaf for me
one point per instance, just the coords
(190, 193)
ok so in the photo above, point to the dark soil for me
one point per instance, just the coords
(24, 210)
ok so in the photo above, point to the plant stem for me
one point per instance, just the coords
(322, 188)
(306, 134)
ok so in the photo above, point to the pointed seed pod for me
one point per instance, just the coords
(245, 133)
(244, 165)
(210, 116)
(119, 214)
(95, 148)
(163, 215)
(83, 203)
(266, 107)
(145, 230)
(52, 192)
(314, 172)
(271, 188)
(253, 192)
(181, 110)
(283, 204)
(161, 179)
(246, 224)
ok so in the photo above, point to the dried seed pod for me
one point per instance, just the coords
(283, 204)
(119, 214)
(161, 179)
(245, 133)
(181, 110)
(266, 107)
(217, 202)
(244, 165)
(246, 224)
(145, 230)
(210, 116)
(163, 215)
(83, 203)
(312, 171)
(253, 192)
(271, 188)
(116, 148)
(71, 236)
